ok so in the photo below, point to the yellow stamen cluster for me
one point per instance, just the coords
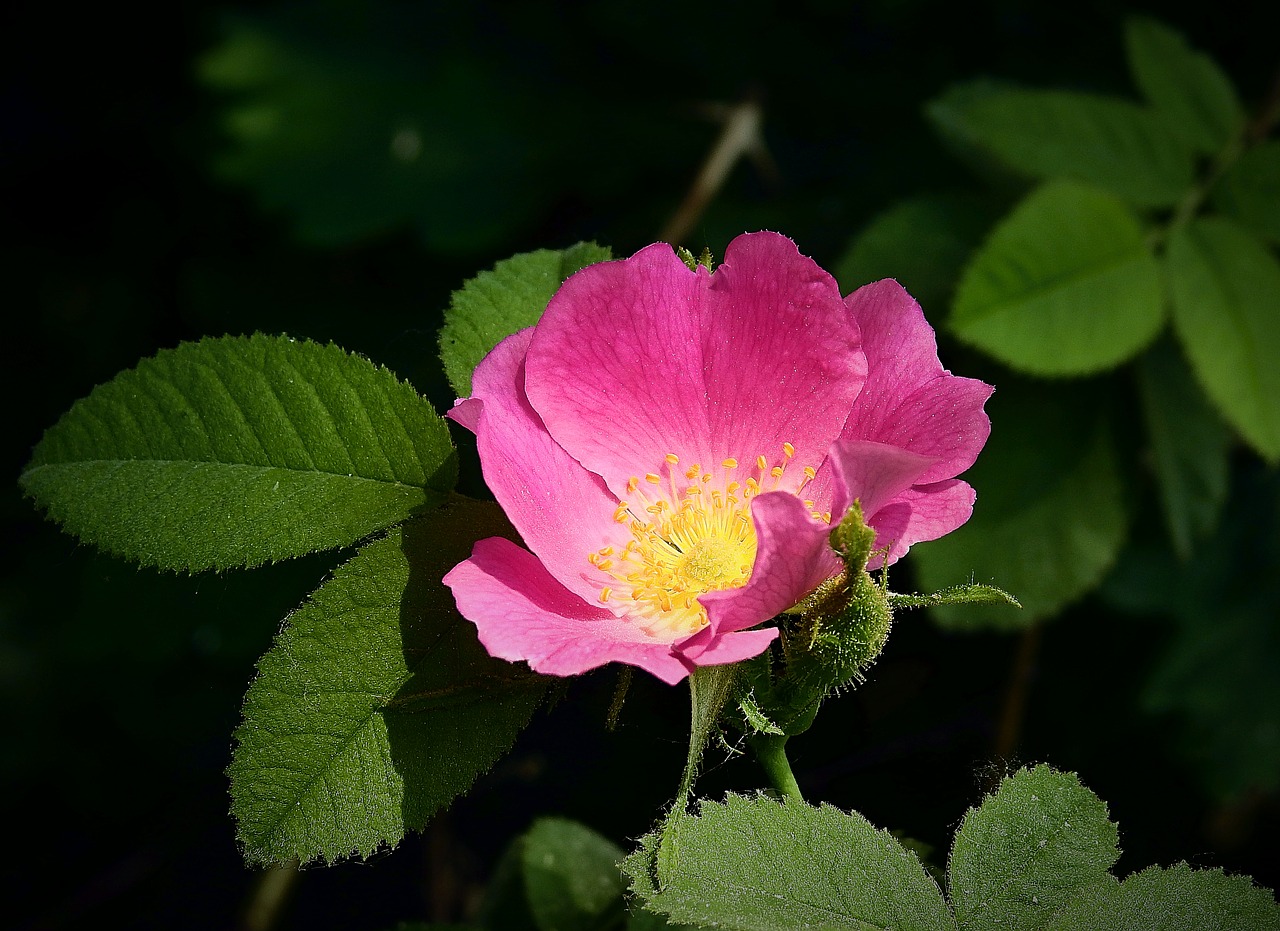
(691, 533)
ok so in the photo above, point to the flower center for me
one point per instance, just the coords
(691, 533)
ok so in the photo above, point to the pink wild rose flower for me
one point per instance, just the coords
(672, 446)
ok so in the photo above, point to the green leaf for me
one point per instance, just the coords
(1249, 191)
(1104, 141)
(1050, 516)
(1017, 859)
(239, 451)
(1176, 899)
(571, 877)
(1190, 446)
(759, 865)
(1226, 307)
(1065, 285)
(376, 705)
(1187, 86)
(922, 243)
(497, 303)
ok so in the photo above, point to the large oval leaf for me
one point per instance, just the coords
(377, 704)
(1186, 86)
(760, 865)
(1226, 308)
(1027, 850)
(1065, 285)
(1104, 141)
(239, 451)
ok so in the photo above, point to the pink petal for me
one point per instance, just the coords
(642, 357)
(793, 558)
(872, 474)
(922, 513)
(562, 512)
(522, 613)
(711, 649)
(909, 399)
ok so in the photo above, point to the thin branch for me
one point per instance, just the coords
(1015, 700)
(741, 136)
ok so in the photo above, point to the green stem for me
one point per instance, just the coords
(771, 751)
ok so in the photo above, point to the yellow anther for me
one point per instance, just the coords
(762, 462)
(706, 477)
(809, 473)
(810, 505)
(606, 551)
(693, 490)
(620, 515)
(732, 487)
(776, 471)
(753, 487)
(730, 463)
(605, 565)
(826, 516)
(673, 459)
(604, 594)
(633, 483)
(652, 479)
(655, 508)
(788, 450)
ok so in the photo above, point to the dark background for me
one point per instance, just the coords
(127, 233)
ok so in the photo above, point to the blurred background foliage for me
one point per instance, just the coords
(334, 170)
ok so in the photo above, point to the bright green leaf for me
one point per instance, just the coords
(376, 705)
(1176, 899)
(497, 303)
(1249, 191)
(239, 451)
(1019, 857)
(1226, 307)
(760, 865)
(571, 877)
(1187, 86)
(1065, 285)
(1190, 446)
(1049, 518)
(1104, 141)
(922, 243)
